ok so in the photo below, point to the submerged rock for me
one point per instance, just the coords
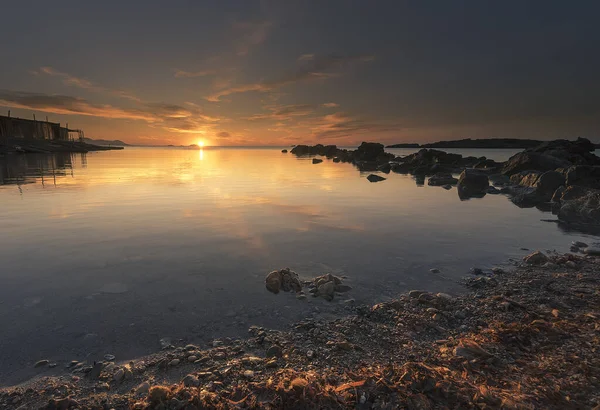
(472, 183)
(284, 151)
(375, 178)
(316, 160)
(442, 178)
(584, 209)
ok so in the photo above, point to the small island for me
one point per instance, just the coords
(514, 143)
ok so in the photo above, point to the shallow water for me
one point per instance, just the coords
(109, 252)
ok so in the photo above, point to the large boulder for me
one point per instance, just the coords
(527, 160)
(325, 150)
(525, 196)
(583, 210)
(472, 183)
(549, 182)
(526, 178)
(584, 175)
(371, 151)
(442, 178)
(375, 178)
(284, 279)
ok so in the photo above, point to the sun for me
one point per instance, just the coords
(201, 143)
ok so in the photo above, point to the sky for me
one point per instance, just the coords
(246, 72)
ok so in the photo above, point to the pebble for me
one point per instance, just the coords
(142, 388)
(41, 363)
(119, 375)
(109, 367)
(274, 351)
(109, 357)
(476, 271)
(301, 296)
(217, 343)
(220, 355)
(579, 244)
(103, 387)
(248, 374)
(191, 381)
(310, 354)
(592, 251)
(174, 362)
(434, 270)
(72, 364)
(192, 358)
(52, 365)
(191, 347)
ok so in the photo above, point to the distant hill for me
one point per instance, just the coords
(476, 143)
(114, 143)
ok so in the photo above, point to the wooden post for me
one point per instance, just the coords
(34, 117)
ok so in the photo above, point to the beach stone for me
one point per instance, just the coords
(109, 357)
(375, 178)
(143, 388)
(158, 394)
(119, 375)
(442, 178)
(327, 289)
(274, 351)
(592, 251)
(299, 384)
(41, 363)
(273, 282)
(416, 293)
(316, 160)
(192, 358)
(191, 381)
(580, 244)
(174, 362)
(536, 258)
(248, 374)
(343, 288)
(284, 151)
(103, 387)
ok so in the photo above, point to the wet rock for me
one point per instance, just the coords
(343, 288)
(416, 293)
(583, 210)
(119, 375)
(548, 183)
(442, 178)
(158, 394)
(592, 251)
(109, 357)
(316, 160)
(143, 388)
(528, 160)
(584, 175)
(526, 178)
(499, 179)
(284, 151)
(284, 279)
(580, 244)
(174, 362)
(385, 167)
(492, 191)
(192, 358)
(375, 178)
(472, 183)
(103, 387)
(326, 290)
(536, 258)
(274, 351)
(191, 381)
(476, 271)
(434, 270)
(525, 197)
(371, 151)
(299, 384)
(41, 363)
(248, 374)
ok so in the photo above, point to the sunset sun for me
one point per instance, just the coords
(200, 143)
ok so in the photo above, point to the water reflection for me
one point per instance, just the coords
(33, 168)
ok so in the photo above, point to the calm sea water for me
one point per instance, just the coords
(109, 252)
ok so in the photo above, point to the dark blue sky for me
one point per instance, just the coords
(252, 72)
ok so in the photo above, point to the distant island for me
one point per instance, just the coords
(475, 143)
(101, 142)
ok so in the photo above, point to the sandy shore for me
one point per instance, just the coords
(525, 338)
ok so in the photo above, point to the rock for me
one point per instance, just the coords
(548, 183)
(526, 178)
(476, 271)
(416, 293)
(191, 381)
(583, 175)
(248, 374)
(119, 375)
(492, 190)
(174, 362)
(326, 290)
(142, 388)
(103, 387)
(319, 149)
(371, 151)
(344, 345)
(525, 197)
(274, 351)
(434, 270)
(316, 160)
(109, 357)
(375, 178)
(528, 160)
(580, 244)
(96, 370)
(499, 179)
(284, 151)
(41, 363)
(284, 279)
(583, 210)
(536, 258)
(385, 167)
(158, 394)
(472, 183)
(299, 384)
(447, 187)
(337, 159)
(192, 358)
(470, 350)
(343, 288)
(442, 178)
(52, 365)
(592, 251)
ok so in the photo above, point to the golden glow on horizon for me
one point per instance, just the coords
(200, 143)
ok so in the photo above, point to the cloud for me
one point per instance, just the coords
(340, 124)
(305, 57)
(171, 117)
(223, 135)
(316, 69)
(330, 105)
(71, 80)
(283, 112)
(189, 74)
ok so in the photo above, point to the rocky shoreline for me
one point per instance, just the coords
(559, 176)
(523, 338)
